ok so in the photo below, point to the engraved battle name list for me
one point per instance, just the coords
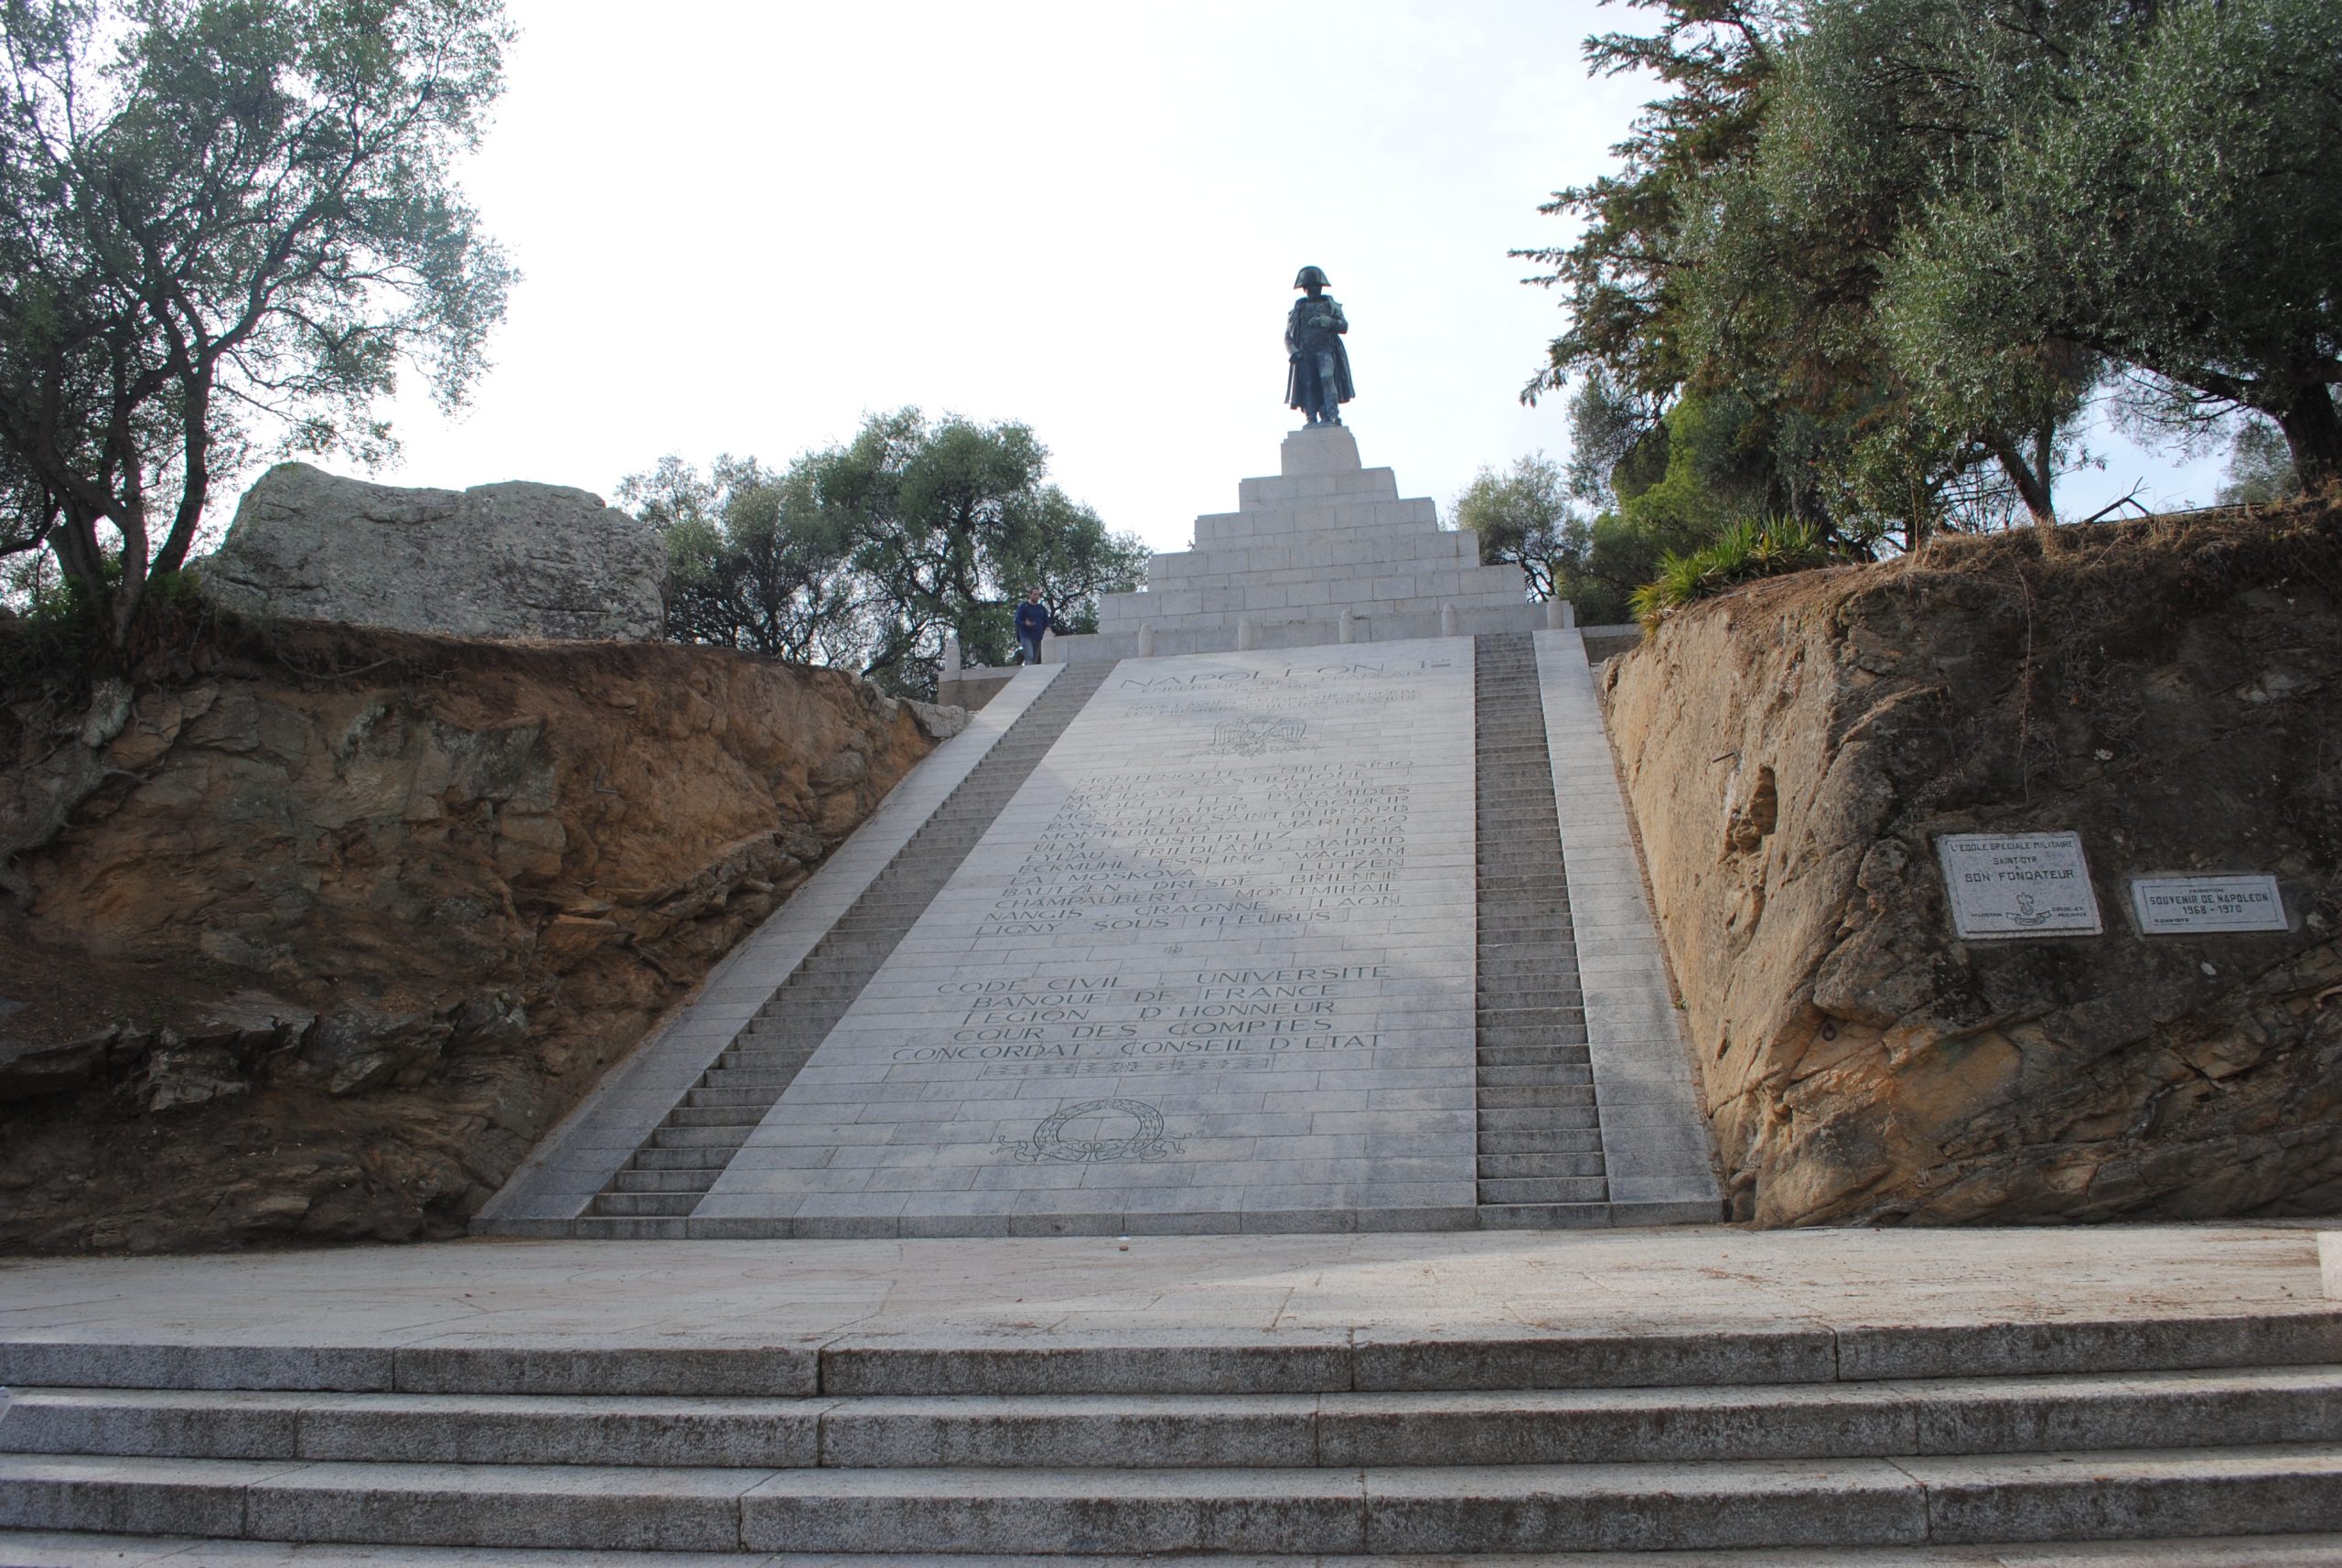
(1211, 969)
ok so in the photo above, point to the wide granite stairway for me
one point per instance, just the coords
(1540, 1143)
(655, 1190)
(1912, 1443)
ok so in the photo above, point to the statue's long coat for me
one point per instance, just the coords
(1299, 339)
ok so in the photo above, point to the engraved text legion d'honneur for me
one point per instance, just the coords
(1223, 933)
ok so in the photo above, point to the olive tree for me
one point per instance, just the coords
(867, 554)
(2163, 188)
(225, 224)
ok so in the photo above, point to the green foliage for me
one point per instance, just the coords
(866, 555)
(50, 626)
(2261, 466)
(750, 564)
(1897, 245)
(1526, 518)
(1715, 58)
(1742, 553)
(2157, 183)
(1863, 128)
(1684, 482)
(228, 223)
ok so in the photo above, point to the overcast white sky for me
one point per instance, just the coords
(745, 225)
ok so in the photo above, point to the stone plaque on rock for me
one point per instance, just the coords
(2197, 906)
(2018, 885)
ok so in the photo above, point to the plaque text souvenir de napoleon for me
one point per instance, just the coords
(2197, 906)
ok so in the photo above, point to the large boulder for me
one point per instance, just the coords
(508, 560)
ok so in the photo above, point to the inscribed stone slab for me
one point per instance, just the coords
(2195, 905)
(1214, 959)
(2018, 885)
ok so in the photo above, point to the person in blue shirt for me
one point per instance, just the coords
(1032, 620)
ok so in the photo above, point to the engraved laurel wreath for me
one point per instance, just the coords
(1048, 1142)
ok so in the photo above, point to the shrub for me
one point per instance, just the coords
(1744, 551)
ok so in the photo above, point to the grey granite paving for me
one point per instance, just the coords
(578, 1158)
(1210, 969)
(1656, 1148)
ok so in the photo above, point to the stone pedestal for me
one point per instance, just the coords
(1323, 543)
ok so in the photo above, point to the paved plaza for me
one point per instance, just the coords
(1690, 1280)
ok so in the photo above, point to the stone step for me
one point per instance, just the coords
(1501, 1143)
(684, 1159)
(1550, 928)
(805, 998)
(1522, 1096)
(1133, 1362)
(1526, 1191)
(676, 1135)
(771, 1035)
(756, 1095)
(1523, 962)
(763, 1080)
(785, 1032)
(1528, 1016)
(845, 963)
(2003, 1415)
(1544, 952)
(1492, 1508)
(699, 1180)
(1520, 995)
(777, 1060)
(1546, 1216)
(1536, 1119)
(1540, 1075)
(736, 1115)
(779, 1053)
(1553, 1163)
(592, 1227)
(1531, 1037)
(1497, 1057)
(27, 1548)
(645, 1205)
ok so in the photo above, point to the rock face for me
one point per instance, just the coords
(506, 561)
(359, 915)
(2171, 690)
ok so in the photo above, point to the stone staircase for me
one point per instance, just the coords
(1890, 1439)
(1540, 1144)
(655, 1190)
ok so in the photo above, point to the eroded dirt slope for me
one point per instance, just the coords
(2171, 690)
(359, 915)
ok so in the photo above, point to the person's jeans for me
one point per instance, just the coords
(1029, 646)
